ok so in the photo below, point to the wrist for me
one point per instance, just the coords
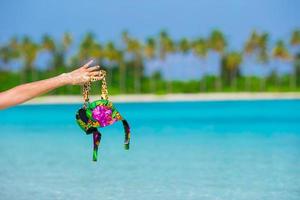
(65, 79)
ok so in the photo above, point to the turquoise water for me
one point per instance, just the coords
(198, 150)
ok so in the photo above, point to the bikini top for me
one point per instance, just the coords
(98, 114)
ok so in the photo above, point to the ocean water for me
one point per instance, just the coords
(229, 150)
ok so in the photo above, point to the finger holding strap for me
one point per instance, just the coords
(95, 78)
(96, 73)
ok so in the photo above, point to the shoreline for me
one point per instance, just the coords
(144, 98)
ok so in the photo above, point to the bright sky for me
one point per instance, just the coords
(146, 17)
(190, 18)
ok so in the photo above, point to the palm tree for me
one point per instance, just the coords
(256, 48)
(97, 51)
(5, 55)
(122, 71)
(49, 45)
(166, 46)
(263, 54)
(66, 44)
(29, 51)
(295, 42)
(218, 43)
(111, 54)
(200, 49)
(149, 52)
(134, 47)
(9, 52)
(184, 45)
(249, 51)
(280, 53)
(58, 50)
(86, 46)
(230, 67)
(295, 38)
(67, 40)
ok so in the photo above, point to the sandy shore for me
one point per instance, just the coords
(67, 99)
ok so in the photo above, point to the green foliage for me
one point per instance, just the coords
(125, 62)
(280, 51)
(200, 47)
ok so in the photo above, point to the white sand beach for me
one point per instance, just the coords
(69, 99)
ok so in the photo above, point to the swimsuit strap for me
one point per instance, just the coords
(96, 140)
(127, 134)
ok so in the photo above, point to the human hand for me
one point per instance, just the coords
(83, 74)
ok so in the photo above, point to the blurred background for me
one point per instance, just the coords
(160, 47)
(183, 149)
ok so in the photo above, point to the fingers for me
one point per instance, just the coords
(95, 78)
(94, 68)
(86, 65)
(95, 73)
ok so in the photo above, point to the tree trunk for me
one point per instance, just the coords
(278, 81)
(277, 78)
(110, 76)
(23, 75)
(137, 81)
(26, 73)
(293, 79)
(234, 79)
(33, 74)
(169, 86)
(248, 83)
(122, 77)
(152, 84)
(203, 86)
(263, 84)
(218, 83)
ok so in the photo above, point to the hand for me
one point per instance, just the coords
(28, 91)
(83, 74)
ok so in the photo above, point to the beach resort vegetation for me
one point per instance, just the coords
(125, 62)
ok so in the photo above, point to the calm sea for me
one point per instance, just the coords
(241, 150)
